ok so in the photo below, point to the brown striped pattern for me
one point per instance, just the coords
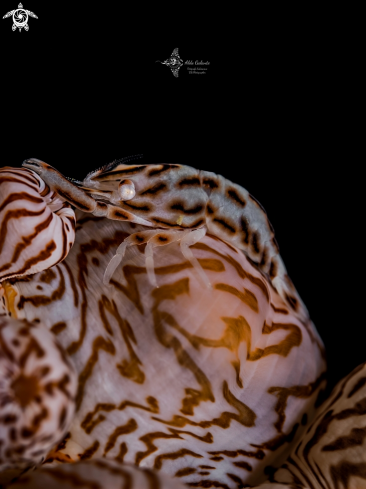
(37, 391)
(332, 453)
(207, 385)
(96, 474)
(37, 228)
(181, 197)
(216, 387)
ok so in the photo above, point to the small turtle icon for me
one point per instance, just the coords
(20, 17)
(174, 62)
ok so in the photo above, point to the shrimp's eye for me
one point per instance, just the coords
(126, 189)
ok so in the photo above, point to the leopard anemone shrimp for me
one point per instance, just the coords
(181, 204)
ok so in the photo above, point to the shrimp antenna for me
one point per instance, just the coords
(113, 164)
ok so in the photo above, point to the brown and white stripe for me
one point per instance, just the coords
(332, 452)
(208, 385)
(37, 227)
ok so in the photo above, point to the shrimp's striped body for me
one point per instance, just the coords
(181, 204)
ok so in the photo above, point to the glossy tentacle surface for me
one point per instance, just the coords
(37, 227)
(216, 387)
(37, 392)
(96, 474)
(208, 385)
(332, 452)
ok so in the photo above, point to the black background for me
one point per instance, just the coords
(277, 112)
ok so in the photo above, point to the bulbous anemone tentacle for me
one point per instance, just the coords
(332, 451)
(37, 227)
(37, 393)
